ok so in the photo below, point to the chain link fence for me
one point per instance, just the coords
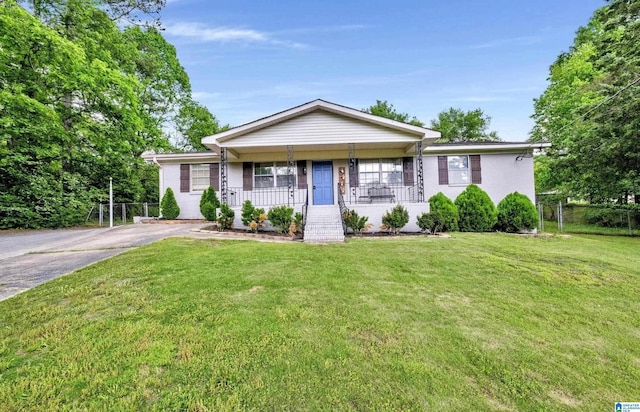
(589, 219)
(123, 213)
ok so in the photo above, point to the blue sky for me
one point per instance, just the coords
(250, 59)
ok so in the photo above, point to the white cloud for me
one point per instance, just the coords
(223, 34)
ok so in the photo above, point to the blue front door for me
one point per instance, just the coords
(322, 183)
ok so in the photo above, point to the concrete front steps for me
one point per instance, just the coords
(324, 224)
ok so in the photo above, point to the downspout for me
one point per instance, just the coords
(160, 184)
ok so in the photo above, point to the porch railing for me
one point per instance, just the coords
(343, 209)
(381, 193)
(267, 197)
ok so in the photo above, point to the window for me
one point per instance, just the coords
(273, 174)
(458, 167)
(199, 177)
(380, 171)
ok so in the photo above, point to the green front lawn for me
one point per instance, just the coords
(475, 322)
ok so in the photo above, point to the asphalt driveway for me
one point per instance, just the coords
(31, 258)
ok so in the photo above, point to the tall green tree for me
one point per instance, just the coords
(383, 108)
(456, 125)
(81, 99)
(590, 109)
(193, 122)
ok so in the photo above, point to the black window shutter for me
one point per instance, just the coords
(476, 169)
(214, 175)
(353, 173)
(407, 170)
(185, 178)
(302, 177)
(247, 176)
(443, 170)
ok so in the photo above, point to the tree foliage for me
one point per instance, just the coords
(383, 108)
(81, 99)
(456, 125)
(195, 121)
(595, 141)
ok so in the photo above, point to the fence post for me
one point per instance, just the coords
(124, 213)
(559, 216)
(100, 215)
(629, 222)
(146, 209)
(540, 217)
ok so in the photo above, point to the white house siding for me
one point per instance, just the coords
(189, 202)
(320, 128)
(501, 175)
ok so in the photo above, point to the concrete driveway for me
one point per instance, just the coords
(31, 258)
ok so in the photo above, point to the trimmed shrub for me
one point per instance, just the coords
(431, 222)
(281, 218)
(447, 212)
(225, 219)
(516, 213)
(396, 219)
(355, 222)
(295, 228)
(252, 216)
(168, 206)
(209, 203)
(476, 211)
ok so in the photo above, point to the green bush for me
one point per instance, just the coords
(396, 219)
(168, 206)
(281, 218)
(606, 217)
(476, 211)
(431, 222)
(447, 212)
(209, 203)
(516, 213)
(296, 225)
(225, 219)
(252, 216)
(355, 222)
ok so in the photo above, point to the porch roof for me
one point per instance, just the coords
(320, 125)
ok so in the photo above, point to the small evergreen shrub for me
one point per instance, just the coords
(431, 222)
(209, 204)
(168, 206)
(476, 211)
(355, 222)
(295, 228)
(396, 219)
(447, 212)
(252, 216)
(281, 218)
(225, 219)
(516, 213)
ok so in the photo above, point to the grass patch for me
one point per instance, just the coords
(475, 322)
(551, 226)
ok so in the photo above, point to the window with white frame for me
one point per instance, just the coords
(459, 172)
(380, 171)
(199, 177)
(273, 174)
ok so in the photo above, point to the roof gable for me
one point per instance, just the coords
(322, 112)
